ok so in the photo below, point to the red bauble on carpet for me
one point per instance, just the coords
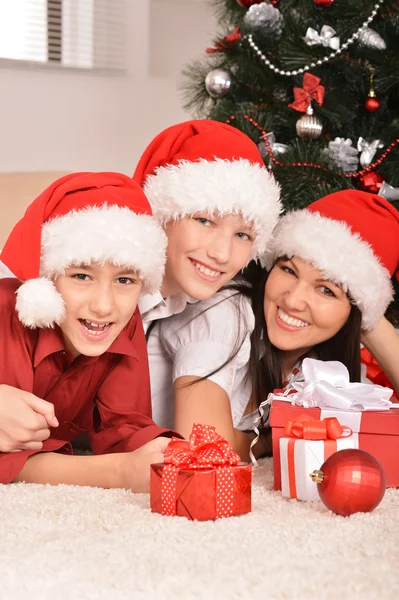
(350, 481)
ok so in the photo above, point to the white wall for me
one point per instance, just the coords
(70, 120)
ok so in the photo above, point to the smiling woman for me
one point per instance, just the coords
(327, 287)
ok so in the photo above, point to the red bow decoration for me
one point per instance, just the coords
(313, 429)
(311, 91)
(205, 449)
(226, 43)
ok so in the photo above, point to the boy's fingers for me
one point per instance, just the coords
(28, 446)
(43, 408)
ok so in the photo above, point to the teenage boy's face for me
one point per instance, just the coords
(204, 253)
(302, 308)
(99, 302)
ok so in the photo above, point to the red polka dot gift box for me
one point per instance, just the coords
(201, 479)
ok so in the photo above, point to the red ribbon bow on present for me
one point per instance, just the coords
(311, 91)
(204, 449)
(307, 428)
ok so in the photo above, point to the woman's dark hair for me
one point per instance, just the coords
(266, 359)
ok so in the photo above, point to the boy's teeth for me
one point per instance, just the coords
(290, 320)
(95, 327)
(207, 271)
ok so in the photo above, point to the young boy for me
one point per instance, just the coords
(72, 348)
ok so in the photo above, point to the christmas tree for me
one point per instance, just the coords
(315, 83)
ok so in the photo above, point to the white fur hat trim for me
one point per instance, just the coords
(103, 234)
(217, 187)
(340, 254)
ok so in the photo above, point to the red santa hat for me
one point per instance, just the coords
(81, 218)
(353, 238)
(207, 166)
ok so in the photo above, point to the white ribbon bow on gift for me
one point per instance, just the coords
(327, 37)
(326, 385)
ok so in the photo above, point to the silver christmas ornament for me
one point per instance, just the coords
(266, 17)
(388, 192)
(367, 150)
(326, 38)
(274, 146)
(369, 37)
(344, 155)
(309, 126)
(218, 82)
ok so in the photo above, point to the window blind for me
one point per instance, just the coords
(86, 34)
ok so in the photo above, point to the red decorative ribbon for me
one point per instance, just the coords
(205, 449)
(313, 429)
(311, 91)
(306, 428)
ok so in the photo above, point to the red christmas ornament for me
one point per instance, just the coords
(372, 104)
(323, 2)
(350, 481)
(371, 182)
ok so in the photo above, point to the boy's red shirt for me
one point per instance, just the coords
(108, 396)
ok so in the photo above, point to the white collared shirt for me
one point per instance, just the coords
(195, 340)
(153, 307)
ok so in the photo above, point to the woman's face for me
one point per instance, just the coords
(302, 309)
(204, 253)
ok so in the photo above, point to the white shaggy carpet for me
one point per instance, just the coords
(66, 542)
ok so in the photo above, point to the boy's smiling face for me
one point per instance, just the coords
(99, 302)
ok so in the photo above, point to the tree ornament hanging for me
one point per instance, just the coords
(218, 83)
(274, 146)
(368, 150)
(344, 155)
(266, 17)
(372, 39)
(323, 2)
(248, 3)
(308, 125)
(371, 182)
(326, 37)
(226, 43)
(372, 104)
(350, 481)
(388, 192)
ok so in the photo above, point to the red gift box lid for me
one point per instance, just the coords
(384, 422)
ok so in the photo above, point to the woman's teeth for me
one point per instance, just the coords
(95, 328)
(206, 271)
(290, 320)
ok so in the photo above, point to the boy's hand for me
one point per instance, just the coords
(136, 467)
(24, 420)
